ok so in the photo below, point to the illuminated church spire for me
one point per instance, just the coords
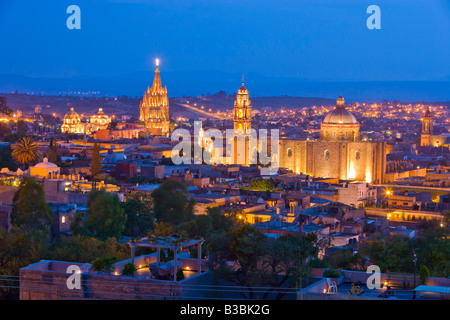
(154, 107)
(157, 80)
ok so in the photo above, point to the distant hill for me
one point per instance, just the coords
(208, 82)
(130, 106)
(124, 105)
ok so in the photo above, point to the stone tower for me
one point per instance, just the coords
(427, 128)
(242, 110)
(242, 127)
(154, 107)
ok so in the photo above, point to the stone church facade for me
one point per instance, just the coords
(154, 107)
(338, 154)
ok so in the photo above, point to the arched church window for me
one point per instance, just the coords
(327, 154)
(357, 155)
(289, 152)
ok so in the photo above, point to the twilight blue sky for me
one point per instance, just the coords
(309, 40)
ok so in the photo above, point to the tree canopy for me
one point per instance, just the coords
(96, 161)
(30, 210)
(262, 185)
(105, 215)
(139, 217)
(25, 151)
(171, 203)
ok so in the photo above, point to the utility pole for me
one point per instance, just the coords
(415, 263)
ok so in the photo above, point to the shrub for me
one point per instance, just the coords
(180, 275)
(332, 274)
(317, 263)
(129, 269)
(104, 264)
(424, 274)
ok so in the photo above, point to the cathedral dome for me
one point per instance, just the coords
(339, 124)
(100, 118)
(340, 115)
(101, 114)
(71, 115)
(242, 90)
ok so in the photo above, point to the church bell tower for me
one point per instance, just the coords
(427, 128)
(242, 127)
(242, 110)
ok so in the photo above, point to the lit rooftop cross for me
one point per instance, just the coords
(157, 62)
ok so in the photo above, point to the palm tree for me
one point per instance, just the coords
(25, 151)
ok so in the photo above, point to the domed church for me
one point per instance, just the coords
(339, 153)
(339, 124)
(72, 122)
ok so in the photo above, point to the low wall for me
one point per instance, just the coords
(50, 285)
(316, 290)
(394, 279)
(143, 260)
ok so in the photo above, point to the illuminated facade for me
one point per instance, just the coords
(72, 122)
(44, 169)
(242, 110)
(99, 121)
(339, 153)
(154, 107)
(242, 127)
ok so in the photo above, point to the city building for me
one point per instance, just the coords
(72, 122)
(44, 169)
(242, 121)
(99, 121)
(154, 107)
(427, 138)
(339, 153)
